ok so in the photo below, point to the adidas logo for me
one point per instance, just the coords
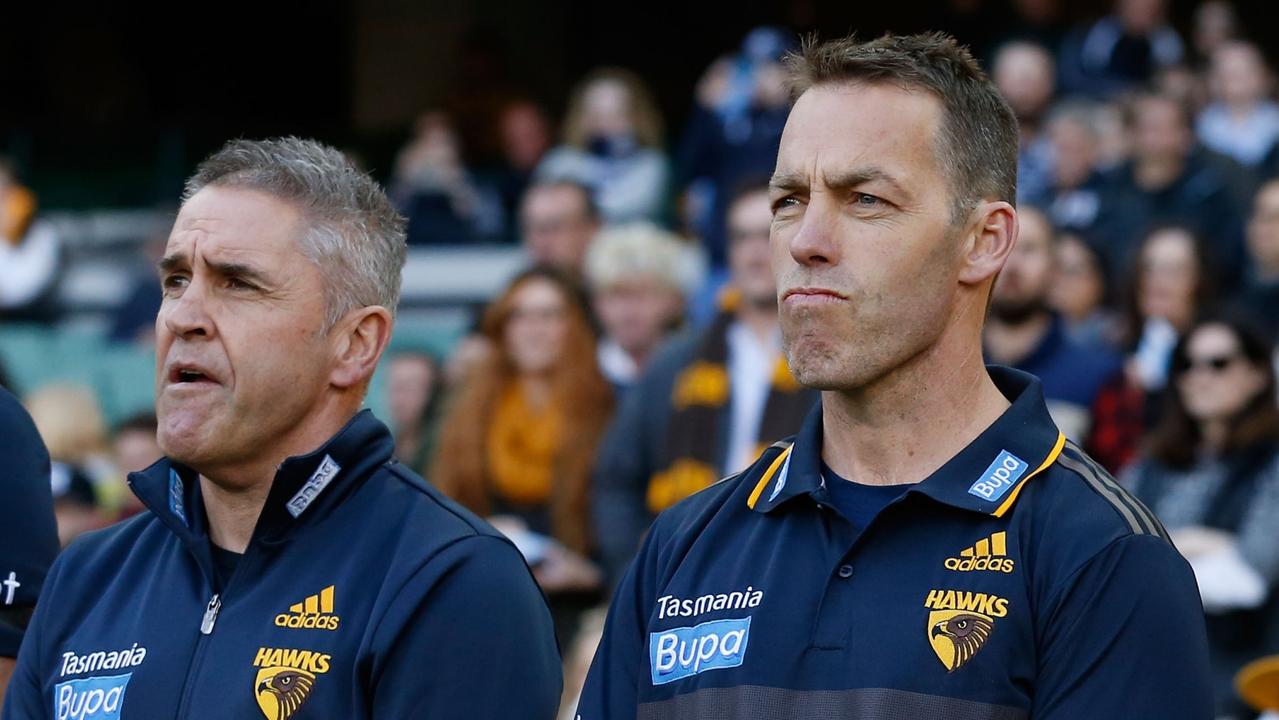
(988, 554)
(313, 613)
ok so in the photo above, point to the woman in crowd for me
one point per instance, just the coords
(1210, 472)
(413, 398)
(1080, 293)
(1171, 282)
(639, 276)
(518, 439)
(613, 145)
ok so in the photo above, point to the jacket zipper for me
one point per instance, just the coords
(206, 629)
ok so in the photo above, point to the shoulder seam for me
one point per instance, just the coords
(1139, 519)
(396, 469)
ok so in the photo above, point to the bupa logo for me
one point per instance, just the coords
(319, 480)
(683, 652)
(1002, 474)
(98, 698)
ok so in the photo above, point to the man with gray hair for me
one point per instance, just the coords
(287, 566)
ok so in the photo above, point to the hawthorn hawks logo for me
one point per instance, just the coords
(960, 624)
(286, 679)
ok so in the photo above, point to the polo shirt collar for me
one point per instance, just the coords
(985, 477)
(305, 487)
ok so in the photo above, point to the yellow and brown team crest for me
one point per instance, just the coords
(285, 679)
(960, 623)
(957, 635)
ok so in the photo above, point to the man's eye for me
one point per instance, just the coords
(238, 284)
(174, 282)
(866, 201)
(783, 203)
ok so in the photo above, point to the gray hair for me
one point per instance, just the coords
(354, 235)
(642, 250)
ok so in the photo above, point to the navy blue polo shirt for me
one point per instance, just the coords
(1016, 581)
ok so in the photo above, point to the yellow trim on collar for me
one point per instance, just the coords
(768, 475)
(1052, 457)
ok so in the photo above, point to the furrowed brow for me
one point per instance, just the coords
(857, 177)
(787, 182)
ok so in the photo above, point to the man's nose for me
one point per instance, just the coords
(188, 315)
(816, 241)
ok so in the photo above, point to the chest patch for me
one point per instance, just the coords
(686, 651)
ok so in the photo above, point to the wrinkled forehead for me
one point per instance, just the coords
(230, 221)
(837, 126)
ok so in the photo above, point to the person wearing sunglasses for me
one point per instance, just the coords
(1210, 472)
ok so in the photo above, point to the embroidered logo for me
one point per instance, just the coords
(988, 554)
(1002, 474)
(315, 612)
(960, 623)
(315, 485)
(683, 652)
(286, 679)
(98, 698)
(176, 491)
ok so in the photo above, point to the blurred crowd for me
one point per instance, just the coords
(638, 357)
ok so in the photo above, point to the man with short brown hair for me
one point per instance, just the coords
(929, 545)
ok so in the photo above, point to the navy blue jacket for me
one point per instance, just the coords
(28, 532)
(1017, 581)
(363, 594)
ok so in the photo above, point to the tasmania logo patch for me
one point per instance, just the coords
(286, 679)
(315, 612)
(960, 623)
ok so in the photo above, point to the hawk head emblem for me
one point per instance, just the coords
(282, 690)
(957, 635)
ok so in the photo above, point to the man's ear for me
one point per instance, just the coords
(989, 242)
(361, 337)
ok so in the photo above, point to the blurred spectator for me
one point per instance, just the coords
(1121, 51)
(1037, 21)
(639, 277)
(29, 254)
(1169, 282)
(72, 427)
(413, 395)
(1215, 23)
(558, 220)
(1242, 121)
(445, 203)
(525, 135)
(1261, 288)
(1079, 293)
(733, 131)
(1076, 196)
(519, 436)
(1025, 75)
(28, 533)
(134, 320)
(1211, 475)
(708, 402)
(1170, 180)
(133, 448)
(613, 145)
(1024, 332)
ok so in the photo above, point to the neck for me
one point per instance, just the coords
(902, 427)
(1215, 433)
(1157, 173)
(536, 389)
(234, 496)
(1009, 344)
(760, 318)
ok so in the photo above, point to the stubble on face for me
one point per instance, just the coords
(894, 265)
